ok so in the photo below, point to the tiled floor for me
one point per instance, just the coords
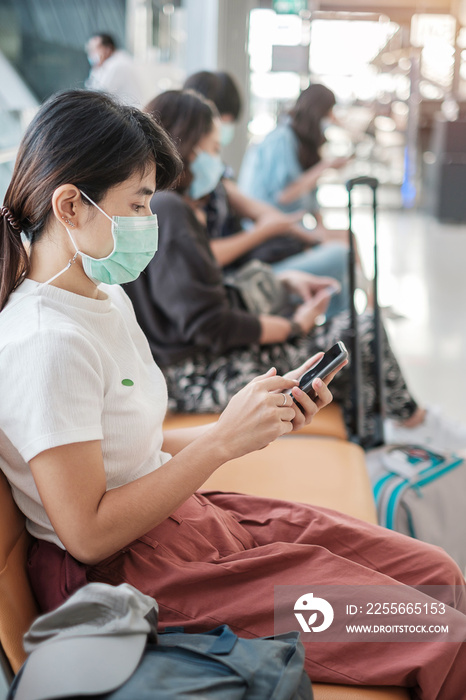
(422, 274)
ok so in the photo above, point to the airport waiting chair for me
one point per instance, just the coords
(17, 605)
(328, 422)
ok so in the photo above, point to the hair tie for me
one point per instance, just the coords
(14, 223)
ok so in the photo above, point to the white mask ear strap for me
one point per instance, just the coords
(70, 262)
(67, 267)
(51, 279)
(96, 205)
(72, 241)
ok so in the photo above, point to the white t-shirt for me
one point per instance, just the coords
(74, 369)
(119, 76)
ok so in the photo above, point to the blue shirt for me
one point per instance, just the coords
(270, 166)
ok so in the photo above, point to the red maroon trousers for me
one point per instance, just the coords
(217, 559)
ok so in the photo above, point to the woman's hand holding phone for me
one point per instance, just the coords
(272, 405)
(307, 407)
(259, 413)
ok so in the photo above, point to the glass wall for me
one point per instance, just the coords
(41, 52)
(44, 39)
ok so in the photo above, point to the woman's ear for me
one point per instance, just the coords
(67, 205)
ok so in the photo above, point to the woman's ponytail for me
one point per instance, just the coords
(13, 256)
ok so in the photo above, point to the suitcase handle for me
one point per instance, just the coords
(356, 376)
(362, 180)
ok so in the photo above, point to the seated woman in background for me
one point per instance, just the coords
(227, 206)
(107, 495)
(209, 347)
(284, 168)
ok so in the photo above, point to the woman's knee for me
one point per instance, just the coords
(446, 569)
(438, 570)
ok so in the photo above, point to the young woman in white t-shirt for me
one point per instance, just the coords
(108, 496)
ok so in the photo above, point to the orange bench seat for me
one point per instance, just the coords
(328, 422)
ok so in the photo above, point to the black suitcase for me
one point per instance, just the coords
(356, 369)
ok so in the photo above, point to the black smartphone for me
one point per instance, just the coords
(332, 358)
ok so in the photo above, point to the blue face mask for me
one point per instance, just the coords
(207, 171)
(93, 59)
(227, 133)
(135, 241)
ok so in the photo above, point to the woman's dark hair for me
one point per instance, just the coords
(187, 117)
(218, 87)
(311, 107)
(105, 39)
(84, 138)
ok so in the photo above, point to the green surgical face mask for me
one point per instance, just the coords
(135, 241)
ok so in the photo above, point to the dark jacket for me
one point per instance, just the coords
(180, 300)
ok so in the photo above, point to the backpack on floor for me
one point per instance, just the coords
(219, 665)
(422, 494)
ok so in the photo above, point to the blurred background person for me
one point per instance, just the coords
(208, 344)
(285, 167)
(272, 236)
(221, 89)
(113, 70)
(283, 170)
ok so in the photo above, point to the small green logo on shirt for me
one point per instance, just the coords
(127, 382)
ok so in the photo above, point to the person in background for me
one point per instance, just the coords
(285, 167)
(221, 89)
(113, 70)
(207, 345)
(273, 236)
